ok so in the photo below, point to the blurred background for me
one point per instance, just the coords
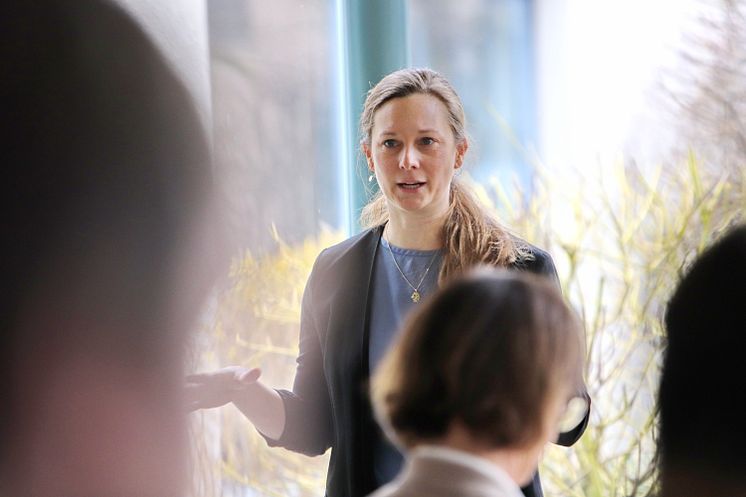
(611, 133)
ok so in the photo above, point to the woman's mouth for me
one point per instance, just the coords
(414, 185)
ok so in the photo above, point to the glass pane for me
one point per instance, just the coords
(276, 107)
(273, 77)
(484, 49)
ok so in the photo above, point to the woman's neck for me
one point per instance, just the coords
(413, 232)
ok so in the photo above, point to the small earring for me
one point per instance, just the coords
(370, 178)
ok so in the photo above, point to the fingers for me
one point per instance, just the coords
(225, 374)
(209, 390)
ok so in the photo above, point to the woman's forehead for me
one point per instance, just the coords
(420, 112)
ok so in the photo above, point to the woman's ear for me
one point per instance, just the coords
(368, 155)
(461, 149)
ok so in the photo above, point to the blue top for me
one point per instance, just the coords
(390, 302)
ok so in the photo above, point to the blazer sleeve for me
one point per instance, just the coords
(543, 264)
(568, 438)
(308, 413)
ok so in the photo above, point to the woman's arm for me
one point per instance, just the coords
(260, 404)
(544, 265)
(263, 406)
(299, 420)
(567, 438)
(308, 414)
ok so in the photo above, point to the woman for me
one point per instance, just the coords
(423, 228)
(454, 389)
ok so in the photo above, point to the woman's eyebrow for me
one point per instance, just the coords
(426, 130)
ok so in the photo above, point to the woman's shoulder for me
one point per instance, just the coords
(348, 253)
(534, 260)
(347, 261)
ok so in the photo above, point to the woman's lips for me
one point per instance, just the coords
(411, 186)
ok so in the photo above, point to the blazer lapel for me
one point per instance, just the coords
(346, 361)
(364, 411)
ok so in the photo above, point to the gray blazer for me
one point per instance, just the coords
(434, 472)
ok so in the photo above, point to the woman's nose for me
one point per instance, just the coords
(409, 159)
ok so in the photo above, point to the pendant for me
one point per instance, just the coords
(415, 296)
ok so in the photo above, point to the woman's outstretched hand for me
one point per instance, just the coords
(208, 390)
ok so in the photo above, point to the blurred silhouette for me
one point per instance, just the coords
(104, 205)
(702, 397)
(455, 392)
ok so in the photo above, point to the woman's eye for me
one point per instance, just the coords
(427, 141)
(389, 143)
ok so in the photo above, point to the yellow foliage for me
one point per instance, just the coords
(620, 242)
(255, 322)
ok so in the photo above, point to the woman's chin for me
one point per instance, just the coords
(419, 206)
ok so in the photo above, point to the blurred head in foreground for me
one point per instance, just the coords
(457, 377)
(702, 398)
(103, 203)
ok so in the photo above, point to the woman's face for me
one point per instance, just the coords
(413, 154)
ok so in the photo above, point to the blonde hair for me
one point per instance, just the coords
(470, 235)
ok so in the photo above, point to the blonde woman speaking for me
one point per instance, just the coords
(423, 228)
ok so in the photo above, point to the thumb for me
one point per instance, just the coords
(250, 376)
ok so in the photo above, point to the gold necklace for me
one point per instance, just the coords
(415, 289)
